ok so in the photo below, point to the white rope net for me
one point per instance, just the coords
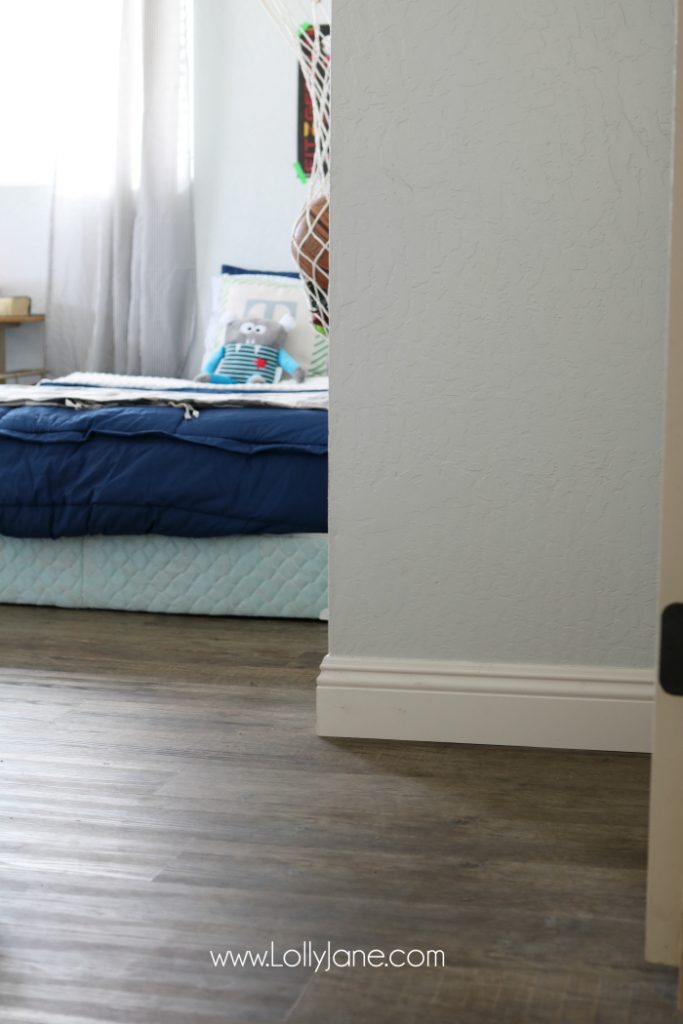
(306, 25)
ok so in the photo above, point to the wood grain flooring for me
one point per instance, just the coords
(163, 794)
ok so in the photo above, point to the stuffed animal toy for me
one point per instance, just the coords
(251, 353)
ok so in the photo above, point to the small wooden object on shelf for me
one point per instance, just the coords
(17, 321)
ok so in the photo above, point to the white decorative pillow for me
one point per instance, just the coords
(269, 297)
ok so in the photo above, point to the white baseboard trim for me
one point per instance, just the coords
(573, 707)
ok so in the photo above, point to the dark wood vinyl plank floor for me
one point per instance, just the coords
(163, 794)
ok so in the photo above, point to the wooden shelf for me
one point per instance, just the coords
(15, 321)
(10, 374)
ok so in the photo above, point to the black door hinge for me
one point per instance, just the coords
(671, 650)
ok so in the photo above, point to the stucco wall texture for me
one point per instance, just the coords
(500, 227)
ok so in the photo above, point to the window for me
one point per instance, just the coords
(59, 79)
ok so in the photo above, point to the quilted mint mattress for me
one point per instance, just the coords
(271, 576)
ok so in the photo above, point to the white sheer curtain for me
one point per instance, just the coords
(122, 262)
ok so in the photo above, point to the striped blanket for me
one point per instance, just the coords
(84, 390)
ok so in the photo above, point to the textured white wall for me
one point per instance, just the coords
(247, 195)
(501, 188)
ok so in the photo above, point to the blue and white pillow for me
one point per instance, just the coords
(262, 293)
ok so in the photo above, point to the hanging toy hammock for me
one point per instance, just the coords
(306, 24)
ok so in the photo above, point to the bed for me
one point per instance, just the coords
(164, 495)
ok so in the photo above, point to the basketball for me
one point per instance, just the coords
(310, 243)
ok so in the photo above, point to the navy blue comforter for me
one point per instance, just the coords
(146, 469)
